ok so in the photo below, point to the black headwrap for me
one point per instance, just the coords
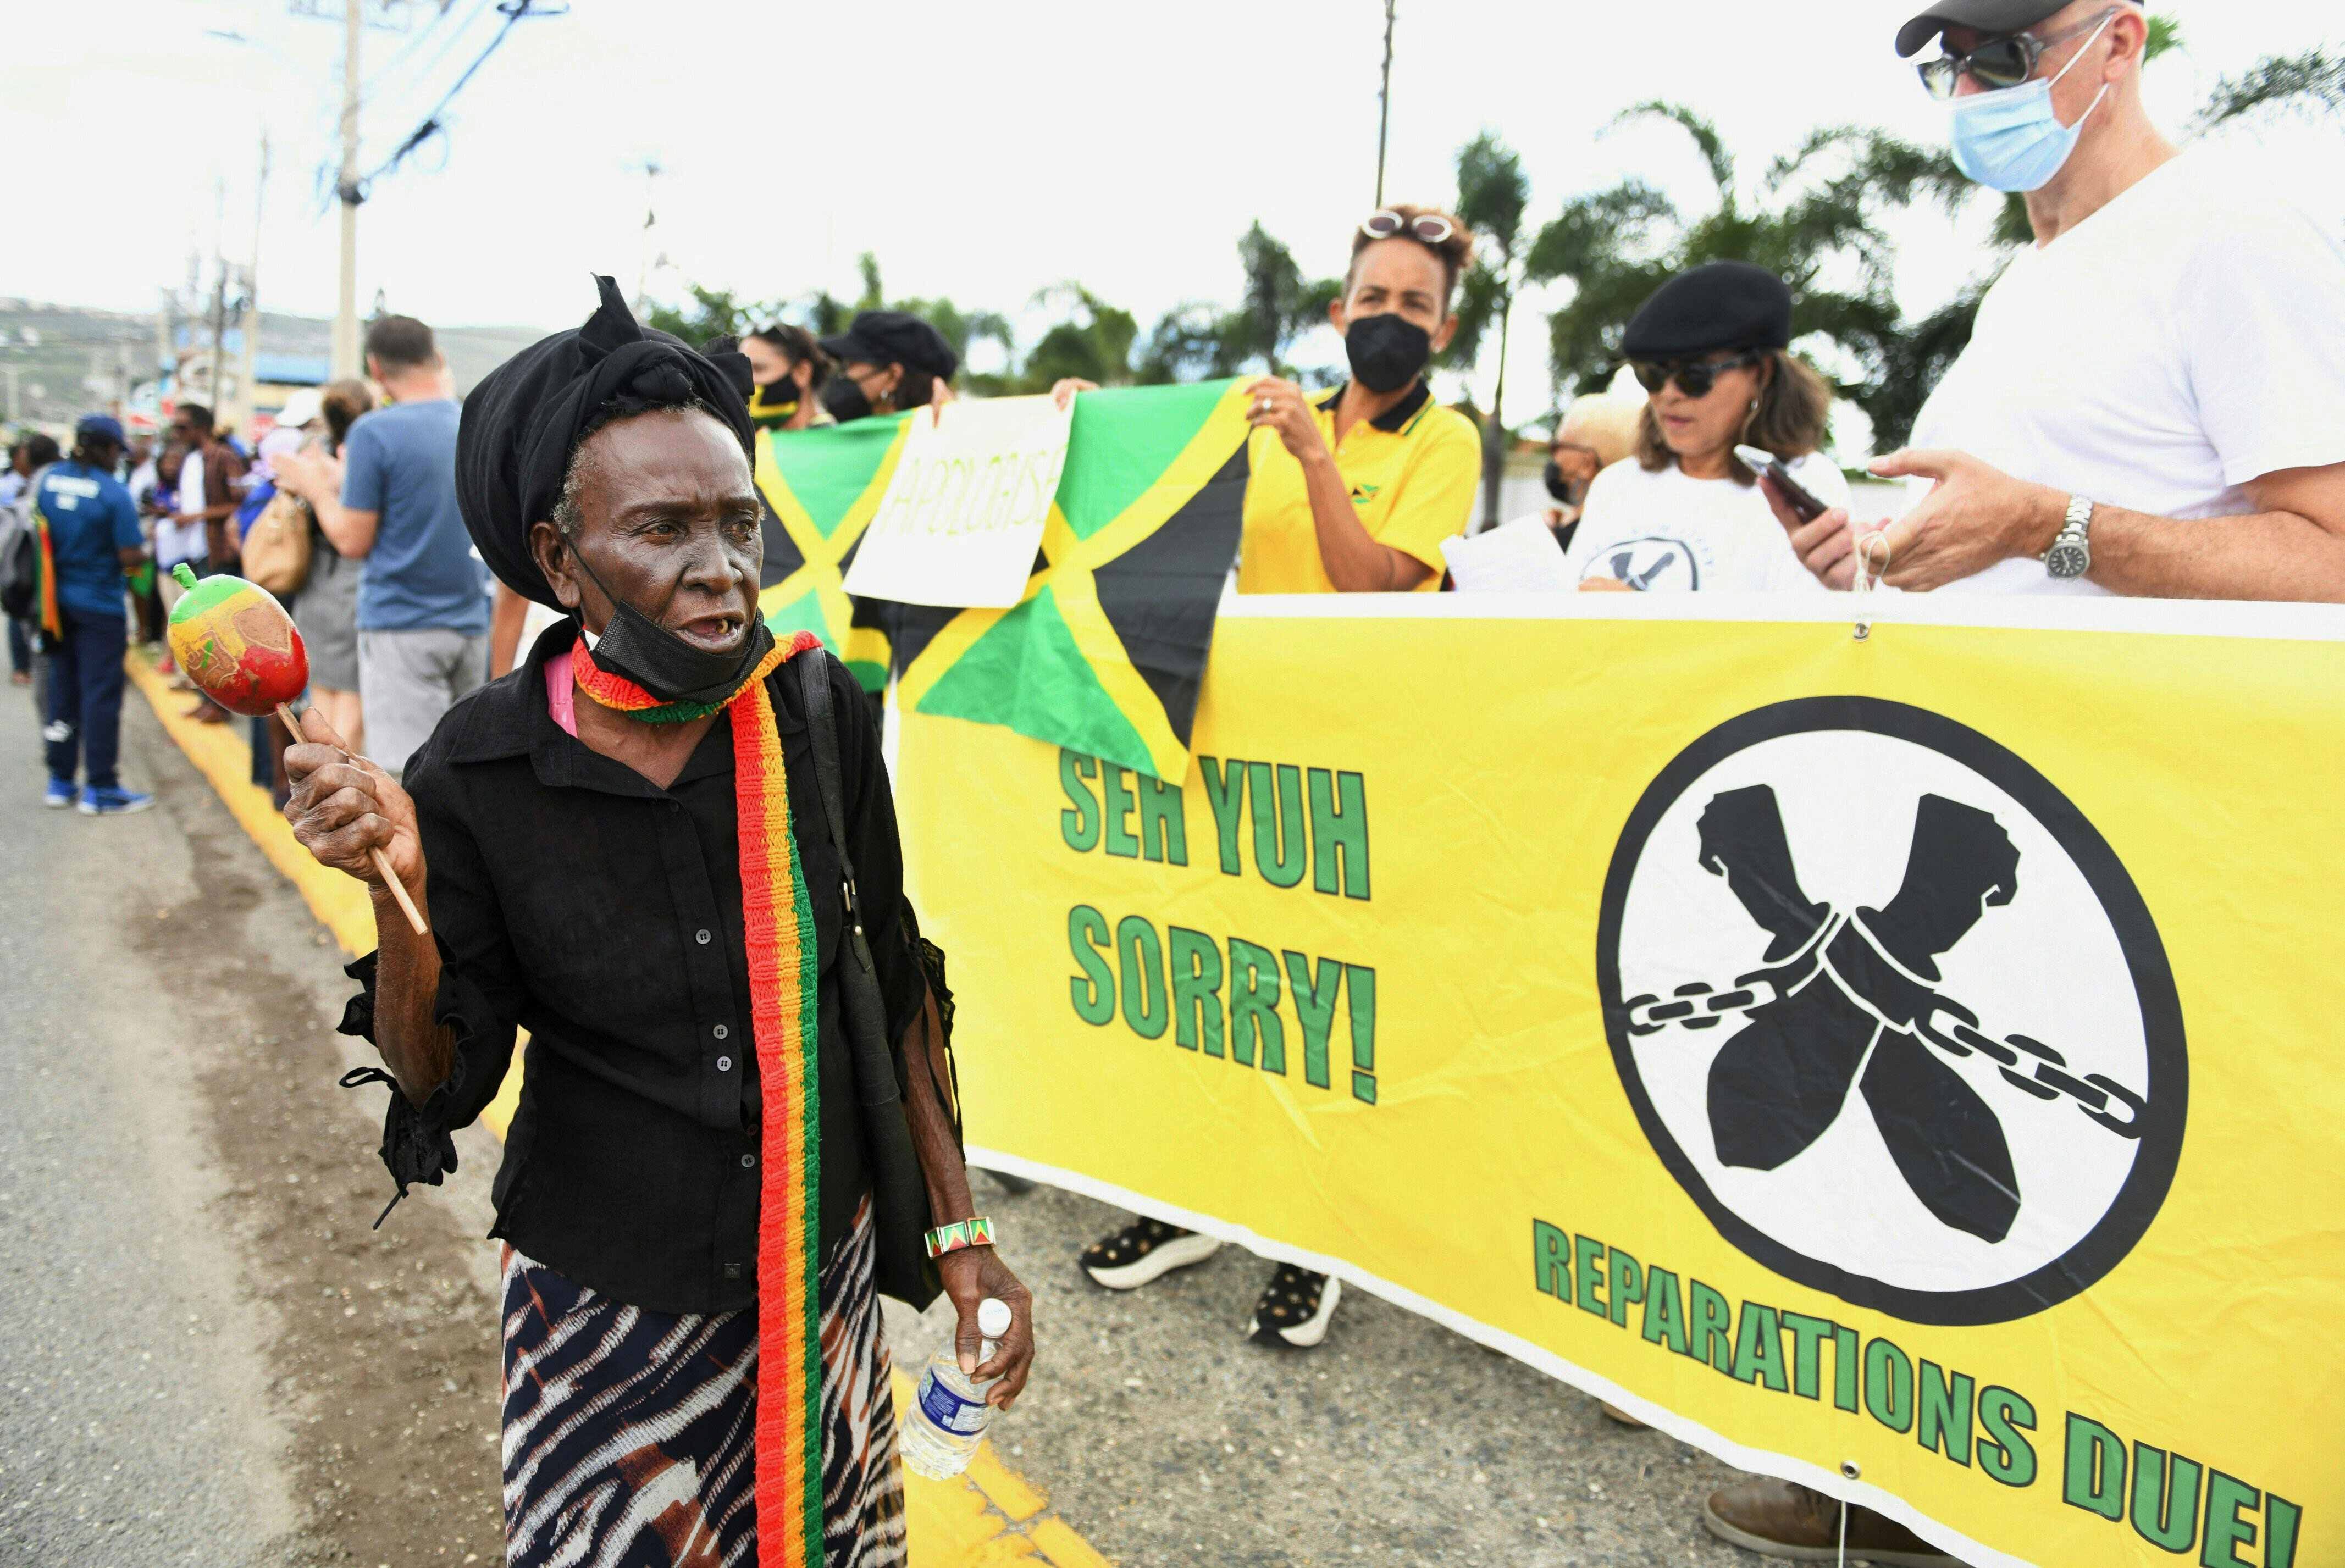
(521, 425)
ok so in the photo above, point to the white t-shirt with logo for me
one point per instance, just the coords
(2185, 340)
(1663, 532)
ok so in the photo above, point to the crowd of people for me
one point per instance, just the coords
(2153, 404)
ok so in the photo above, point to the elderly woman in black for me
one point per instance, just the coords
(639, 847)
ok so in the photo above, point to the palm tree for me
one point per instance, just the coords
(1492, 196)
(1279, 305)
(1096, 346)
(1620, 245)
(1816, 215)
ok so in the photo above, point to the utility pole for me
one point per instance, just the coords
(246, 377)
(1383, 101)
(219, 304)
(345, 360)
(1495, 447)
(166, 362)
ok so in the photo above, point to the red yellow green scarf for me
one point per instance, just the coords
(783, 993)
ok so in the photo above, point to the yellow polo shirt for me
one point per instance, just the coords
(1412, 473)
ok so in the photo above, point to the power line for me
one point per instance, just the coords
(512, 11)
(378, 88)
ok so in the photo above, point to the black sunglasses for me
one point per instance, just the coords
(1694, 377)
(1999, 62)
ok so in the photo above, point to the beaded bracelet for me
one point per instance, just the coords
(963, 1233)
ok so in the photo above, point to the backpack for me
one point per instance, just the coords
(20, 558)
(277, 545)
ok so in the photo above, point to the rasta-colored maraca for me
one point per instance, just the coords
(238, 644)
(236, 641)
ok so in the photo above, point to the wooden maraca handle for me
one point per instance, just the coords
(381, 861)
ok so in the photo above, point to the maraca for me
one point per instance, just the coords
(237, 643)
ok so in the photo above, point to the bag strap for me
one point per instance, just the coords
(866, 1013)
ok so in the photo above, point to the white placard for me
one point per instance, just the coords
(1518, 557)
(965, 510)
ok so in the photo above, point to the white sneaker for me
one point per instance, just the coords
(1144, 1250)
(1295, 1308)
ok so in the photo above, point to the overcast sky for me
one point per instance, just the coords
(981, 151)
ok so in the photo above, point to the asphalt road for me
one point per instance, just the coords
(211, 1359)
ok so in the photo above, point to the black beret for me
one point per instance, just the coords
(894, 338)
(1719, 306)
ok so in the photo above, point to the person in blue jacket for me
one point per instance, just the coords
(92, 529)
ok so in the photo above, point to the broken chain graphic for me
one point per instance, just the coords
(1786, 1075)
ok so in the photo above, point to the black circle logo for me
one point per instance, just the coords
(1891, 1011)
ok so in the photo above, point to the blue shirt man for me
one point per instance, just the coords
(399, 463)
(93, 533)
(93, 523)
(424, 605)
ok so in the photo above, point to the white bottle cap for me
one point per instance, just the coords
(992, 1317)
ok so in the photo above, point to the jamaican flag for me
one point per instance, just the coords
(823, 486)
(1106, 653)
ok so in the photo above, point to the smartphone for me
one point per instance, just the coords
(1762, 462)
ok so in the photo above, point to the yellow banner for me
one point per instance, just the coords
(1910, 1066)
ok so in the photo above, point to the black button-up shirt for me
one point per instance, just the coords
(571, 897)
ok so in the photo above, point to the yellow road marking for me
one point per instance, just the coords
(986, 1516)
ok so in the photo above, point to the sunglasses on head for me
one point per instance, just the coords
(1999, 62)
(1384, 224)
(1694, 377)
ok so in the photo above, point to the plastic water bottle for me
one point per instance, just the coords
(948, 1413)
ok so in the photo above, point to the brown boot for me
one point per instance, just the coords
(1795, 1524)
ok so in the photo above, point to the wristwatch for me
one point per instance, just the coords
(2071, 554)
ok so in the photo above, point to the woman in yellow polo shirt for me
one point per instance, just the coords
(1353, 490)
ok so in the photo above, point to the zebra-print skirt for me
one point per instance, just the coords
(629, 1436)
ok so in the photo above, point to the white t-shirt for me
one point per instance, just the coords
(1665, 532)
(2188, 338)
(176, 542)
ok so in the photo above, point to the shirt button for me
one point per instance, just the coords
(701, 938)
(724, 1064)
(721, 1031)
(748, 1161)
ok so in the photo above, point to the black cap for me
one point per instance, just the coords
(894, 338)
(1986, 15)
(1719, 305)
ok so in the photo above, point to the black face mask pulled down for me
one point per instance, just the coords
(843, 396)
(640, 649)
(1387, 352)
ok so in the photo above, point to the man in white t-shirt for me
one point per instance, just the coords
(2153, 402)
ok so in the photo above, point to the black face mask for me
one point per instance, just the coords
(1558, 486)
(640, 649)
(844, 396)
(774, 403)
(1387, 352)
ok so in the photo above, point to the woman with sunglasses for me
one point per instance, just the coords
(1353, 490)
(1710, 348)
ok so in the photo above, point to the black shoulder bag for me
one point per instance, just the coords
(899, 1190)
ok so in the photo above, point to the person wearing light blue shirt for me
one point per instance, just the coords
(422, 607)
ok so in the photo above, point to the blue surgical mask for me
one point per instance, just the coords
(2013, 140)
